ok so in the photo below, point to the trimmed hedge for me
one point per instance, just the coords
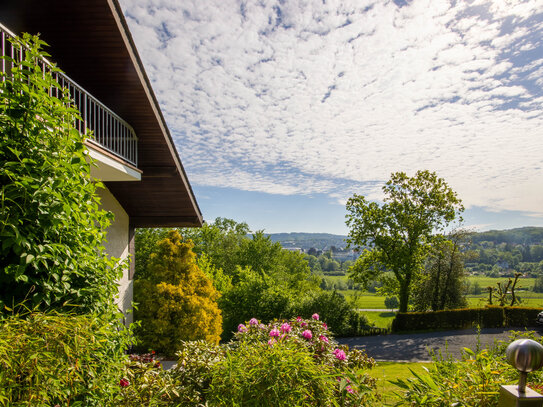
(521, 316)
(488, 317)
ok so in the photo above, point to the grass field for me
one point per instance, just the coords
(366, 300)
(523, 283)
(380, 319)
(384, 372)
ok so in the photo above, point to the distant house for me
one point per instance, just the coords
(146, 185)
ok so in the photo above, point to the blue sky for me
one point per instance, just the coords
(281, 110)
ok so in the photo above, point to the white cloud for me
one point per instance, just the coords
(305, 97)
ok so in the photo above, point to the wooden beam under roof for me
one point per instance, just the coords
(92, 44)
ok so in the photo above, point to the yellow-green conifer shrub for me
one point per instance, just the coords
(177, 302)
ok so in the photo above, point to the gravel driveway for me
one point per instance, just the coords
(415, 347)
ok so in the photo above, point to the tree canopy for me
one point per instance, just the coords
(396, 235)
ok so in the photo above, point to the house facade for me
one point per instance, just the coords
(145, 183)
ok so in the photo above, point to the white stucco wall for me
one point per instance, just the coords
(117, 246)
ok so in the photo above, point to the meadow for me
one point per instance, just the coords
(372, 301)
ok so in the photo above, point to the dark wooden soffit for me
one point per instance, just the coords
(91, 43)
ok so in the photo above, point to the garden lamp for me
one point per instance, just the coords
(526, 356)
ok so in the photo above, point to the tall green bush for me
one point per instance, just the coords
(65, 360)
(51, 226)
(177, 302)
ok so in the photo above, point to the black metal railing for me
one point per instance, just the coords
(98, 122)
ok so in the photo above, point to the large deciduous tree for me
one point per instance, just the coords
(441, 284)
(397, 235)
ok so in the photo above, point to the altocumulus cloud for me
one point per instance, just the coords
(298, 97)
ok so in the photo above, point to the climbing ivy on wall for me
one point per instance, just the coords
(51, 226)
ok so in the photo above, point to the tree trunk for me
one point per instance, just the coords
(404, 296)
(435, 298)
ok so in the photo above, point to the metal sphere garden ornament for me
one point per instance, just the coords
(526, 356)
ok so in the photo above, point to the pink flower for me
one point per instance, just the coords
(272, 341)
(324, 325)
(315, 316)
(307, 334)
(298, 319)
(324, 338)
(262, 326)
(303, 324)
(275, 332)
(349, 389)
(253, 321)
(242, 328)
(286, 328)
(340, 355)
(124, 382)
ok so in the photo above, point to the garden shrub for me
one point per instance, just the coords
(195, 361)
(488, 317)
(51, 226)
(53, 359)
(258, 374)
(521, 316)
(144, 383)
(446, 319)
(290, 363)
(254, 295)
(336, 312)
(492, 316)
(284, 363)
(176, 300)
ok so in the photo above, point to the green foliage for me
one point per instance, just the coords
(272, 364)
(145, 384)
(146, 241)
(277, 365)
(392, 302)
(263, 375)
(340, 316)
(222, 282)
(473, 381)
(538, 285)
(488, 317)
(176, 300)
(441, 283)
(52, 359)
(51, 226)
(400, 231)
(521, 316)
(192, 374)
(504, 293)
(254, 294)
(256, 277)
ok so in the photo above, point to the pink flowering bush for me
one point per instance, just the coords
(307, 334)
(271, 364)
(349, 368)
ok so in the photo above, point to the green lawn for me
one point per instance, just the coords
(366, 300)
(529, 299)
(380, 319)
(524, 283)
(386, 371)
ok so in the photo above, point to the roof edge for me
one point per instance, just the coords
(134, 55)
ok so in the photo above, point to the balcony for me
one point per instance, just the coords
(110, 138)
